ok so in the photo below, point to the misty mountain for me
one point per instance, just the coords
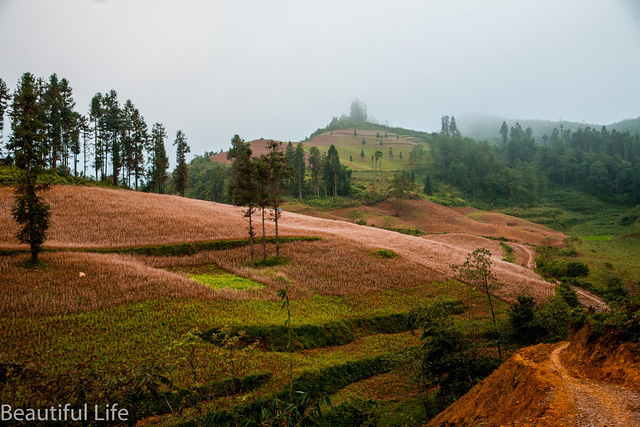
(485, 127)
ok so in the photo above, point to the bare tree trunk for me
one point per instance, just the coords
(264, 245)
(250, 212)
(276, 215)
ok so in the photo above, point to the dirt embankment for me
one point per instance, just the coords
(570, 383)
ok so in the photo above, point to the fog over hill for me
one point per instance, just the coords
(486, 127)
(281, 69)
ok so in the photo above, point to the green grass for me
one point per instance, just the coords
(604, 237)
(226, 281)
(385, 253)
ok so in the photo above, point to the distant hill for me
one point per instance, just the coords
(486, 128)
(393, 146)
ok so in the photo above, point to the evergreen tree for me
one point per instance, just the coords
(70, 125)
(159, 161)
(52, 113)
(315, 167)
(332, 169)
(277, 170)
(243, 185)
(181, 173)
(95, 116)
(139, 143)
(112, 116)
(85, 130)
(400, 187)
(4, 102)
(444, 126)
(30, 210)
(362, 154)
(298, 167)
(504, 133)
(453, 128)
(428, 189)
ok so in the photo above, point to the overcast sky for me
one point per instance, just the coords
(281, 69)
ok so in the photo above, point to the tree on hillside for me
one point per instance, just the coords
(453, 128)
(70, 121)
(399, 189)
(362, 154)
(417, 154)
(30, 210)
(332, 169)
(298, 168)
(428, 188)
(243, 185)
(476, 271)
(139, 144)
(378, 156)
(159, 161)
(112, 117)
(95, 116)
(315, 167)
(358, 111)
(444, 125)
(504, 133)
(4, 101)
(51, 102)
(181, 173)
(276, 170)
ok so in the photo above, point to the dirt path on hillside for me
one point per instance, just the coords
(438, 256)
(529, 258)
(595, 403)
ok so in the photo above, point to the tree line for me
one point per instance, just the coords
(112, 141)
(47, 133)
(604, 163)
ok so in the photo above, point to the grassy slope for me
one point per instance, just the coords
(350, 146)
(128, 311)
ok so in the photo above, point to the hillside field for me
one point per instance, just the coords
(100, 318)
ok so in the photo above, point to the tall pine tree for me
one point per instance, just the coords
(159, 161)
(181, 173)
(27, 143)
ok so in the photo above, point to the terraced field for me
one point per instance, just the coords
(104, 322)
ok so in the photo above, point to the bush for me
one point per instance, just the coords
(385, 253)
(522, 313)
(577, 269)
(566, 292)
(355, 412)
(614, 289)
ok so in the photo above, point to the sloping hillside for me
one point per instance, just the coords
(350, 148)
(88, 217)
(540, 386)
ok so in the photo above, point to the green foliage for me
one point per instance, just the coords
(385, 253)
(509, 255)
(399, 189)
(159, 160)
(355, 412)
(226, 281)
(521, 316)
(408, 231)
(309, 336)
(181, 174)
(577, 269)
(614, 289)
(568, 295)
(450, 358)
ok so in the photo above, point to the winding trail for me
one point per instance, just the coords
(596, 403)
(436, 255)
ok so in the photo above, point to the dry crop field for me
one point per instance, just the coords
(127, 313)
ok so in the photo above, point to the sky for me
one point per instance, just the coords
(281, 69)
